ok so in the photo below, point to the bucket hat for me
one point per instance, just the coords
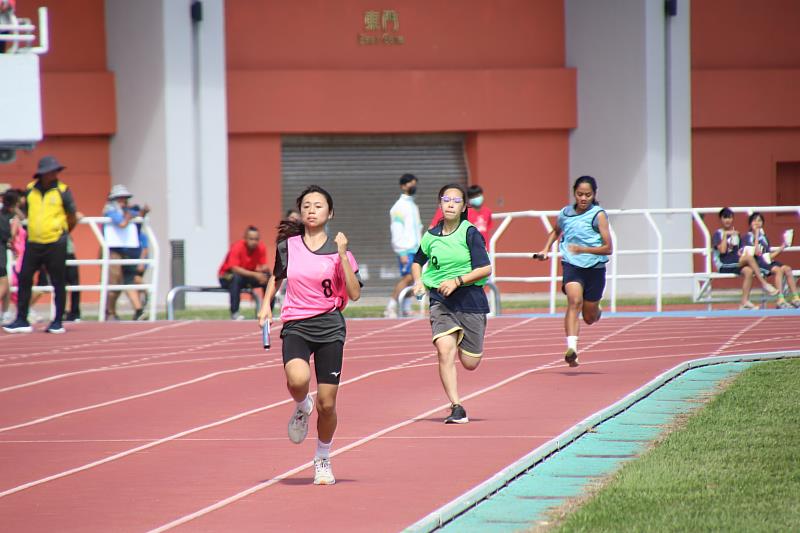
(48, 164)
(119, 191)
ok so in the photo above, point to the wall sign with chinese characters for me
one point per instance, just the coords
(381, 27)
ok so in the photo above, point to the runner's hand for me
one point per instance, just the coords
(341, 243)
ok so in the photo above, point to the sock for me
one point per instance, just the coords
(572, 342)
(323, 449)
(306, 405)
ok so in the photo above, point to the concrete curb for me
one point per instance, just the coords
(451, 510)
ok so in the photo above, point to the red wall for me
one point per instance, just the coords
(78, 111)
(494, 70)
(745, 105)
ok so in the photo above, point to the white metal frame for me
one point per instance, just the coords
(612, 274)
(21, 30)
(105, 261)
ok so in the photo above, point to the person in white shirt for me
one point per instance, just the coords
(406, 228)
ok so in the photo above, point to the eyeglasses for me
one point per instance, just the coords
(455, 199)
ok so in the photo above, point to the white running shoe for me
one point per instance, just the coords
(323, 474)
(298, 424)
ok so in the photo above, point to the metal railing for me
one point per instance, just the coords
(612, 274)
(18, 31)
(105, 261)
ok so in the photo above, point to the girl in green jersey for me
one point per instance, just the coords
(459, 266)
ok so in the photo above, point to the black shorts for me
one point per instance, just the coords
(327, 356)
(730, 269)
(593, 281)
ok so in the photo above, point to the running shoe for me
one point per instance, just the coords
(298, 425)
(457, 415)
(18, 326)
(571, 357)
(796, 302)
(748, 306)
(783, 304)
(55, 327)
(138, 314)
(237, 316)
(323, 475)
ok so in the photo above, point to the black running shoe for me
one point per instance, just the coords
(18, 326)
(571, 357)
(138, 314)
(457, 415)
(55, 327)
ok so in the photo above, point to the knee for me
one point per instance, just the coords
(576, 303)
(296, 381)
(326, 407)
(591, 318)
(746, 271)
(469, 362)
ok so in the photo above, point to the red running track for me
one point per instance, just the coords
(139, 426)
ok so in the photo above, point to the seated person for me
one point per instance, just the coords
(245, 266)
(729, 259)
(755, 243)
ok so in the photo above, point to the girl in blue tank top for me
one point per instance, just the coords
(584, 246)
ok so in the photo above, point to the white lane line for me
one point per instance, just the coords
(257, 366)
(127, 364)
(231, 499)
(274, 439)
(733, 339)
(143, 360)
(181, 434)
(97, 342)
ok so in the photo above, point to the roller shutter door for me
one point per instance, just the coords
(362, 173)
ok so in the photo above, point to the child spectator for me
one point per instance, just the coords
(729, 259)
(756, 244)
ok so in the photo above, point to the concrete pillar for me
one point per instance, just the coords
(170, 148)
(634, 128)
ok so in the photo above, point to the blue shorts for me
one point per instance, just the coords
(405, 270)
(593, 281)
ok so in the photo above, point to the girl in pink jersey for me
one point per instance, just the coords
(321, 275)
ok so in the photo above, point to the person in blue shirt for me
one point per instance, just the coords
(584, 246)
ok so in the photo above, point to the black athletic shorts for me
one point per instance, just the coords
(593, 281)
(327, 356)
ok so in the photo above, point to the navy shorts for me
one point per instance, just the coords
(593, 281)
(327, 356)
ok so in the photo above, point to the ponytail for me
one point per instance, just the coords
(289, 228)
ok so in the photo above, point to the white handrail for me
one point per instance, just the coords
(21, 30)
(95, 224)
(614, 276)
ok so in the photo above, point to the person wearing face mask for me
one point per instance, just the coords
(478, 214)
(406, 230)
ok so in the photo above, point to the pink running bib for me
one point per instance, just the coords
(315, 282)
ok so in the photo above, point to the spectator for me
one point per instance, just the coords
(123, 237)
(7, 213)
(755, 243)
(729, 259)
(73, 278)
(478, 214)
(293, 215)
(51, 216)
(143, 252)
(245, 266)
(406, 229)
(7, 17)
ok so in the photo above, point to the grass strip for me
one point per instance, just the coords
(734, 466)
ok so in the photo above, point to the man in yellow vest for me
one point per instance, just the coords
(51, 216)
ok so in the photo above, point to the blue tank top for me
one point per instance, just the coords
(580, 229)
